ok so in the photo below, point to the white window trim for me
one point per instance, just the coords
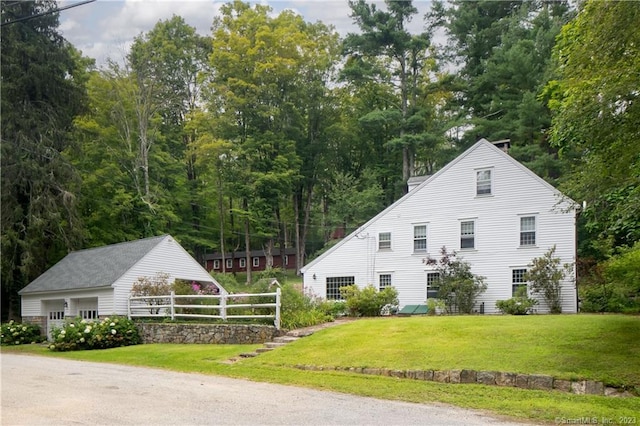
(242, 262)
(229, 263)
(426, 238)
(491, 179)
(473, 220)
(380, 241)
(255, 262)
(514, 268)
(535, 230)
(380, 274)
(216, 264)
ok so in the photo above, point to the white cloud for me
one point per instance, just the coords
(106, 28)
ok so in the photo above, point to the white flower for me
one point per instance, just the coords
(83, 321)
(113, 331)
(62, 333)
(113, 324)
(82, 340)
(87, 329)
(72, 325)
(24, 328)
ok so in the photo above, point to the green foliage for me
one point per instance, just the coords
(458, 286)
(435, 306)
(594, 99)
(79, 334)
(545, 275)
(43, 79)
(368, 301)
(14, 333)
(520, 304)
(617, 287)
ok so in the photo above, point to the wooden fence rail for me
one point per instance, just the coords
(221, 305)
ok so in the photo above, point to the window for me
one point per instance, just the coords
(467, 234)
(243, 262)
(385, 281)
(517, 281)
(384, 241)
(433, 285)
(56, 315)
(483, 182)
(528, 231)
(420, 238)
(216, 264)
(229, 263)
(256, 262)
(286, 259)
(334, 284)
(88, 314)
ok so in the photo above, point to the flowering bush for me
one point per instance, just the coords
(14, 333)
(82, 334)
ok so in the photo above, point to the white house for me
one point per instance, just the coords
(97, 282)
(491, 210)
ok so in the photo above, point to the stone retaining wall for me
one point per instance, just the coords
(206, 333)
(494, 378)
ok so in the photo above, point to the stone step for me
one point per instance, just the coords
(299, 333)
(273, 345)
(248, 354)
(285, 339)
(262, 350)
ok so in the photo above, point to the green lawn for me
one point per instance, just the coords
(579, 346)
(597, 347)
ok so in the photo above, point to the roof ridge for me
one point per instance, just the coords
(118, 244)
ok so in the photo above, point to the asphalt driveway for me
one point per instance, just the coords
(48, 391)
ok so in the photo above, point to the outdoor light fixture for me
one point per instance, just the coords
(314, 276)
(66, 305)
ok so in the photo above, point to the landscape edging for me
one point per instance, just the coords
(491, 378)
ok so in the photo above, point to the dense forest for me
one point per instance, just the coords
(275, 132)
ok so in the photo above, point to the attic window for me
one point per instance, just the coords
(384, 241)
(483, 182)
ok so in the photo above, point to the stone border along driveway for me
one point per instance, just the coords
(491, 378)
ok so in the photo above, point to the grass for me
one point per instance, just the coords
(579, 346)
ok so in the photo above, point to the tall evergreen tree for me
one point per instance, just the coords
(42, 92)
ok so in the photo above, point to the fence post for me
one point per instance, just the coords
(173, 308)
(278, 301)
(223, 307)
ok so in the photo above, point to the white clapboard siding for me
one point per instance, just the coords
(441, 203)
(35, 304)
(167, 257)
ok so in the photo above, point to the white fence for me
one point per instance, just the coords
(212, 306)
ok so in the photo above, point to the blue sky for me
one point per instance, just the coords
(106, 28)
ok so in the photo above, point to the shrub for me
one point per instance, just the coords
(302, 310)
(458, 286)
(614, 285)
(157, 285)
(14, 333)
(368, 302)
(81, 334)
(435, 306)
(520, 304)
(545, 275)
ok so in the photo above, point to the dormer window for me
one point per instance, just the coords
(483, 182)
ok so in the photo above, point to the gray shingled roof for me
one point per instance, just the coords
(95, 267)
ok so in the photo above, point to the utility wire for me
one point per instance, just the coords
(48, 12)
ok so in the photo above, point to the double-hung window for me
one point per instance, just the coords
(216, 264)
(467, 234)
(229, 263)
(419, 238)
(384, 281)
(518, 282)
(433, 285)
(384, 241)
(527, 230)
(255, 262)
(243, 262)
(483, 182)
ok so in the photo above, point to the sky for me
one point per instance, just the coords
(106, 28)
